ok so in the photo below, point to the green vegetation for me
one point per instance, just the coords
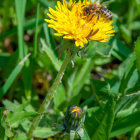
(105, 82)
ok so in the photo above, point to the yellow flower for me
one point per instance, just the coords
(70, 22)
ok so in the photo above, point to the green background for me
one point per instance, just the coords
(105, 82)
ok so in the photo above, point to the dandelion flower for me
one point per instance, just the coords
(70, 22)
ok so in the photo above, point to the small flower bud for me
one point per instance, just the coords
(74, 118)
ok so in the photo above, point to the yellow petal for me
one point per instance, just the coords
(69, 20)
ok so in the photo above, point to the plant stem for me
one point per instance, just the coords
(49, 96)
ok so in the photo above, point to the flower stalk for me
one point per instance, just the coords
(49, 96)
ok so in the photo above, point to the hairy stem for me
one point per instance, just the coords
(49, 96)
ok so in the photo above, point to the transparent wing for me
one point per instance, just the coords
(106, 3)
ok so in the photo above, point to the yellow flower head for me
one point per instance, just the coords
(71, 22)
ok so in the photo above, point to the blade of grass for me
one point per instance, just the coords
(28, 70)
(36, 27)
(20, 10)
(49, 37)
(47, 34)
(13, 76)
(26, 73)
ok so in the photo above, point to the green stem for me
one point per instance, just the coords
(49, 96)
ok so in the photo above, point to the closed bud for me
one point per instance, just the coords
(74, 118)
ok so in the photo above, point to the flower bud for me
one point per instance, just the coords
(74, 118)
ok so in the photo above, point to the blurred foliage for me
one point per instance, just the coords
(105, 82)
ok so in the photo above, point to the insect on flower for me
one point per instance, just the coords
(74, 21)
(100, 10)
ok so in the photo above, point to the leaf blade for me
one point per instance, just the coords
(12, 76)
(104, 128)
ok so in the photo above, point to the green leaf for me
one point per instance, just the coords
(20, 10)
(82, 76)
(18, 117)
(27, 80)
(56, 63)
(60, 97)
(120, 50)
(43, 132)
(129, 70)
(11, 106)
(93, 115)
(137, 51)
(20, 137)
(85, 137)
(133, 83)
(134, 25)
(2, 129)
(72, 134)
(125, 124)
(6, 130)
(49, 37)
(27, 75)
(36, 29)
(127, 101)
(13, 76)
(103, 129)
(126, 33)
(102, 88)
(70, 82)
(128, 77)
(104, 49)
(131, 11)
(138, 6)
(136, 133)
(47, 34)
(16, 114)
(99, 120)
(81, 132)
